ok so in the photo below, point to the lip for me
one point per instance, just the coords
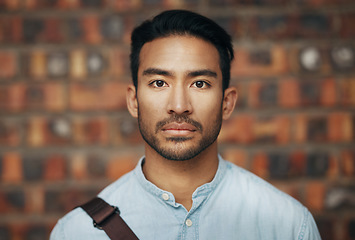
(178, 129)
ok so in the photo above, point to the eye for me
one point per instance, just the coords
(201, 84)
(158, 83)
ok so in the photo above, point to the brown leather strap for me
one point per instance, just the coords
(107, 218)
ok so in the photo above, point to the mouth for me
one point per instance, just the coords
(178, 129)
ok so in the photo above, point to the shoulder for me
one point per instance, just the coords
(251, 185)
(269, 206)
(78, 225)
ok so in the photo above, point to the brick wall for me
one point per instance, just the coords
(65, 132)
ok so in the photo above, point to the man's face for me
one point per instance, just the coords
(179, 96)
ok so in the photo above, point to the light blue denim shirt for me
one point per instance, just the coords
(235, 205)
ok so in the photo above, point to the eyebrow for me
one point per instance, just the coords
(204, 72)
(197, 73)
(156, 71)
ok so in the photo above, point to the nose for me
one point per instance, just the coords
(179, 101)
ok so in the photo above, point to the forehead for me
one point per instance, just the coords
(179, 53)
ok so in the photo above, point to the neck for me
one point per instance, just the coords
(181, 178)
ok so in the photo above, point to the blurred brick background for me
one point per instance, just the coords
(65, 132)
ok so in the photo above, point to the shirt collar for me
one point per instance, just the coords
(201, 191)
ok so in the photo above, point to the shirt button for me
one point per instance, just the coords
(188, 222)
(165, 196)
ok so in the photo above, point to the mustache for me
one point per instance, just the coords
(178, 118)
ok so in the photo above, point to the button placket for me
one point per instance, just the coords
(165, 196)
(188, 222)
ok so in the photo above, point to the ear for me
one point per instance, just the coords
(132, 103)
(229, 101)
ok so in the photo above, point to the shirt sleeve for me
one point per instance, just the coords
(310, 230)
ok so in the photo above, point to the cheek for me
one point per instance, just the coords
(206, 109)
(150, 107)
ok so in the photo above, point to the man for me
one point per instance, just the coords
(182, 188)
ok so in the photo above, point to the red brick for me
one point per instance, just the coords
(78, 167)
(275, 129)
(91, 131)
(340, 127)
(319, 3)
(281, 26)
(48, 96)
(334, 168)
(43, 132)
(347, 25)
(253, 96)
(348, 163)
(328, 96)
(248, 2)
(315, 25)
(238, 129)
(289, 93)
(310, 93)
(125, 131)
(12, 97)
(263, 94)
(12, 201)
(300, 128)
(130, 23)
(104, 96)
(91, 28)
(243, 64)
(20, 229)
(315, 193)
(36, 131)
(12, 168)
(242, 90)
(120, 165)
(283, 132)
(168, 4)
(8, 64)
(347, 92)
(10, 132)
(32, 4)
(68, 4)
(11, 29)
(34, 200)
(317, 129)
(97, 165)
(78, 64)
(260, 165)
(10, 4)
(238, 157)
(274, 27)
(298, 164)
(59, 201)
(96, 4)
(55, 168)
(43, 4)
(38, 64)
(16, 29)
(52, 31)
(119, 62)
(125, 5)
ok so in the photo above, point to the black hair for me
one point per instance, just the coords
(180, 23)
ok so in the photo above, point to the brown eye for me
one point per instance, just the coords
(199, 84)
(159, 83)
